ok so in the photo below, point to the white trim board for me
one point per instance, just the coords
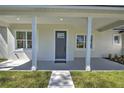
(67, 41)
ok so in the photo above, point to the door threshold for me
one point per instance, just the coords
(60, 61)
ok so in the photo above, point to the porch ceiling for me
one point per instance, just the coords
(42, 20)
(64, 11)
(97, 22)
(117, 25)
(102, 15)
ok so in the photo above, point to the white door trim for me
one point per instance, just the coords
(66, 30)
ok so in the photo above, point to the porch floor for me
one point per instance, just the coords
(77, 64)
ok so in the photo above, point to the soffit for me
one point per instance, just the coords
(60, 9)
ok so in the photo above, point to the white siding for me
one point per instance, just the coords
(123, 43)
(47, 41)
(102, 44)
(21, 53)
(102, 41)
(11, 43)
(3, 42)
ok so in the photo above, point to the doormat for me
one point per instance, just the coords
(60, 61)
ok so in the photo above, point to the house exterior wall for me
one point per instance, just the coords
(102, 41)
(75, 23)
(47, 41)
(11, 43)
(46, 33)
(123, 43)
(14, 53)
(8, 45)
(3, 42)
(102, 45)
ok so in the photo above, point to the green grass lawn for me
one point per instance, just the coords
(113, 79)
(24, 79)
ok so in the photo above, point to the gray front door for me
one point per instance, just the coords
(60, 43)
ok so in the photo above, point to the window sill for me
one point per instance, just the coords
(18, 50)
(117, 44)
(82, 49)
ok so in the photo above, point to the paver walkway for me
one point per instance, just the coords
(61, 79)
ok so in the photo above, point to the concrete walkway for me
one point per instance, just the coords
(61, 79)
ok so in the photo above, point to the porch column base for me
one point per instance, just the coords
(33, 68)
(88, 68)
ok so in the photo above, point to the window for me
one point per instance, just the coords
(29, 40)
(91, 45)
(116, 39)
(23, 39)
(81, 41)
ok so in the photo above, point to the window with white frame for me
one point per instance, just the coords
(23, 39)
(116, 39)
(81, 41)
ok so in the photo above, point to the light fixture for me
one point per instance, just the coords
(61, 19)
(17, 18)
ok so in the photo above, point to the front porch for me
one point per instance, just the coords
(86, 35)
(77, 64)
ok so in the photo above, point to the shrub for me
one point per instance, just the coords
(116, 56)
(122, 56)
(110, 56)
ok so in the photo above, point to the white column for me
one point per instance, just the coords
(88, 48)
(34, 43)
